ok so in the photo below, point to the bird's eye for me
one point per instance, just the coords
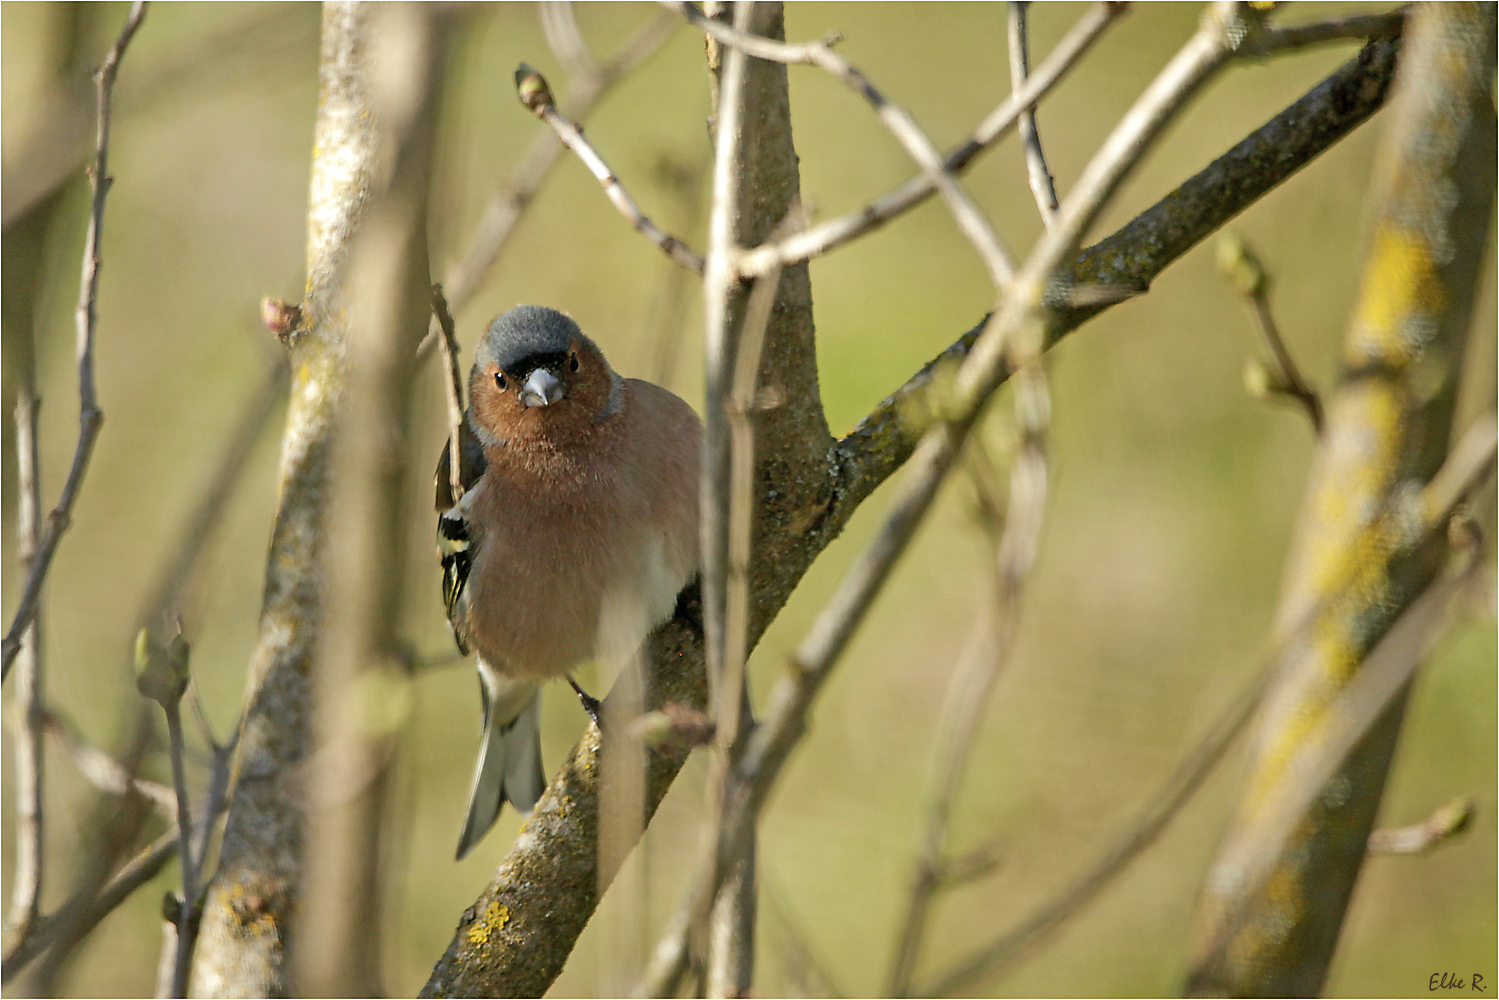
(499, 380)
(572, 362)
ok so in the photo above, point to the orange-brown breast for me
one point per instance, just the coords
(601, 530)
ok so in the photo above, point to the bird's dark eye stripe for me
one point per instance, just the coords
(572, 361)
(522, 368)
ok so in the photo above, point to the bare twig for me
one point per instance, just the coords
(987, 652)
(452, 388)
(535, 94)
(1244, 269)
(85, 912)
(91, 418)
(163, 677)
(727, 457)
(504, 209)
(835, 232)
(1270, 40)
(895, 119)
(1042, 187)
(1446, 821)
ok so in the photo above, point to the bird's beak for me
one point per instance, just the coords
(541, 389)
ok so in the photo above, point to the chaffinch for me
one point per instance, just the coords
(576, 531)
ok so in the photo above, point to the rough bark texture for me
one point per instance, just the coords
(1388, 425)
(516, 938)
(248, 920)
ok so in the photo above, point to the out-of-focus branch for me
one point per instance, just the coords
(1276, 38)
(987, 652)
(103, 771)
(1043, 189)
(360, 680)
(537, 95)
(90, 418)
(261, 859)
(1244, 269)
(1274, 901)
(1468, 463)
(83, 912)
(61, 141)
(30, 759)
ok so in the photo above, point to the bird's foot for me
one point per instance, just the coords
(591, 705)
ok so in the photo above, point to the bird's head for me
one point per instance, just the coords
(537, 377)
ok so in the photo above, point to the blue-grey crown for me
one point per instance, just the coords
(523, 332)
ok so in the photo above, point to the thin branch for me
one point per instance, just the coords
(1244, 269)
(85, 912)
(535, 94)
(90, 418)
(1446, 821)
(163, 677)
(1273, 39)
(727, 457)
(895, 119)
(453, 389)
(992, 959)
(987, 652)
(1136, 254)
(835, 232)
(498, 220)
(1042, 187)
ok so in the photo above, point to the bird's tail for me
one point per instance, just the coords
(509, 767)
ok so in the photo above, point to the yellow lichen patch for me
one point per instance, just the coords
(1400, 280)
(496, 915)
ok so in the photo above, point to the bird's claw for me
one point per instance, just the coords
(591, 705)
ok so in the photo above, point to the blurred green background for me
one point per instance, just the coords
(1173, 494)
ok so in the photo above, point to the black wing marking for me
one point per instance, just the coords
(457, 559)
(471, 455)
(452, 529)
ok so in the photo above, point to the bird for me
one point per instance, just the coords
(573, 536)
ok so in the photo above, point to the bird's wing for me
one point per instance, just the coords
(453, 530)
(471, 455)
